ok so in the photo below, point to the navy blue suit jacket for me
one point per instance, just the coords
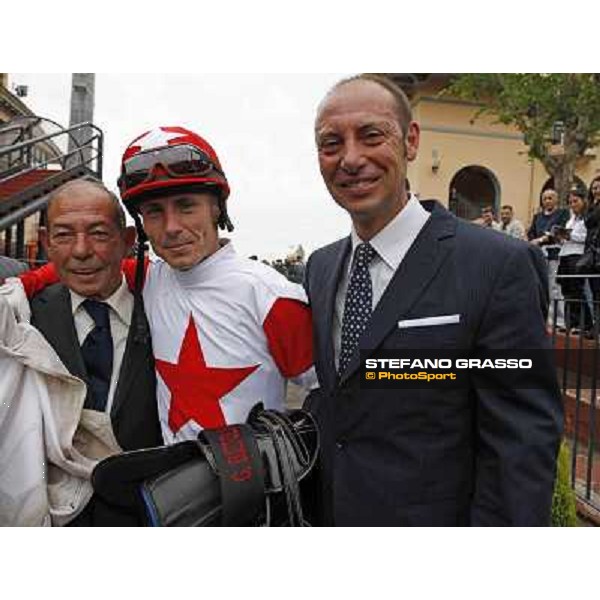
(424, 457)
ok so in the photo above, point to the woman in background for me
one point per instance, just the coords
(572, 238)
(592, 241)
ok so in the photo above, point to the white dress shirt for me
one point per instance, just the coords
(576, 242)
(391, 245)
(119, 313)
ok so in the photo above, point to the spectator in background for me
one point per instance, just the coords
(509, 225)
(592, 241)
(594, 195)
(280, 267)
(572, 239)
(9, 267)
(294, 263)
(542, 223)
(294, 270)
(539, 235)
(487, 218)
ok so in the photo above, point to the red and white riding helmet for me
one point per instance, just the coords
(169, 157)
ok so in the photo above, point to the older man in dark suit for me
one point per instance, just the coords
(411, 276)
(91, 319)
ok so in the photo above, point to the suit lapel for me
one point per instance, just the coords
(58, 327)
(135, 358)
(127, 375)
(324, 300)
(419, 267)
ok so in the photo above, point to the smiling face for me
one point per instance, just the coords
(549, 201)
(487, 216)
(576, 204)
(85, 241)
(595, 190)
(363, 153)
(506, 215)
(182, 227)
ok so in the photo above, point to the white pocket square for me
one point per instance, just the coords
(428, 321)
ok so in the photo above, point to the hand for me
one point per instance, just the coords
(13, 293)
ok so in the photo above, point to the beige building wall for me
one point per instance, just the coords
(451, 140)
(10, 105)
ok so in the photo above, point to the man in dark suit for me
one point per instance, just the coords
(91, 320)
(413, 277)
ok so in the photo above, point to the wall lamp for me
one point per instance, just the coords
(436, 160)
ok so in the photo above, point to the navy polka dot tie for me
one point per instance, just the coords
(358, 305)
(97, 353)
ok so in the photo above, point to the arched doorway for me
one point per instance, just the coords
(472, 188)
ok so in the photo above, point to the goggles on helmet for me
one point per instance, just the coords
(179, 161)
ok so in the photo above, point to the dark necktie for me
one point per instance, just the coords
(97, 352)
(358, 305)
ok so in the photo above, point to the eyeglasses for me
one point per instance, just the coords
(179, 162)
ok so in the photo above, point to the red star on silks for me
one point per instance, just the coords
(196, 389)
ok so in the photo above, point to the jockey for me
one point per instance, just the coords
(227, 332)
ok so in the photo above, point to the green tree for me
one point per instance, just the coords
(543, 107)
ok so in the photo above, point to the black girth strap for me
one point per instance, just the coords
(287, 447)
(241, 473)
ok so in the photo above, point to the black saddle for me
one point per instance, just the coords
(246, 474)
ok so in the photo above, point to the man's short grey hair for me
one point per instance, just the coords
(403, 107)
(64, 189)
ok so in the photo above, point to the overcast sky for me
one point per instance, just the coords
(260, 125)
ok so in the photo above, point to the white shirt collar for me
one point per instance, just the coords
(207, 267)
(395, 239)
(120, 302)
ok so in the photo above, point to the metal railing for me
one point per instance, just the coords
(28, 148)
(87, 152)
(575, 324)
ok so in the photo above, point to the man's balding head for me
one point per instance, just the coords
(82, 186)
(402, 104)
(87, 238)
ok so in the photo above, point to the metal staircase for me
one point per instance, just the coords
(37, 156)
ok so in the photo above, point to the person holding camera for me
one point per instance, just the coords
(572, 238)
(539, 234)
